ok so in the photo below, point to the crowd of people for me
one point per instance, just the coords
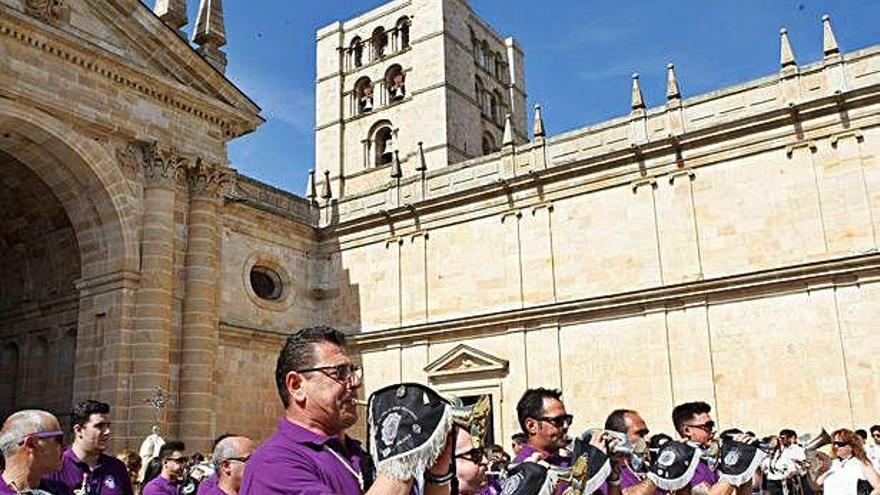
(311, 453)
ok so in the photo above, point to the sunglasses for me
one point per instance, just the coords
(239, 459)
(340, 373)
(557, 421)
(642, 433)
(840, 445)
(708, 426)
(474, 455)
(178, 460)
(58, 436)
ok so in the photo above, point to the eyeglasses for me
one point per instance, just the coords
(876, 435)
(557, 421)
(178, 460)
(340, 372)
(840, 444)
(239, 459)
(642, 433)
(474, 455)
(58, 436)
(708, 426)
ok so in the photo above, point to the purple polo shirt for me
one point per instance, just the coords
(704, 475)
(296, 461)
(53, 487)
(627, 479)
(161, 486)
(214, 489)
(208, 485)
(110, 477)
(553, 460)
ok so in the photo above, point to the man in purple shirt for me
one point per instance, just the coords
(210, 483)
(545, 423)
(229, 458)
(30, 441)
(310, 454)
(85, 468)
(173, 461)
(631, 423)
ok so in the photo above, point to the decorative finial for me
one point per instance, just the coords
(172, 13)
(396, 170)
(672, 91)
(326, 193)
(507, 137)
(829, 42)
(313, 187)
(638, 102)
(538, 129)
(210, 33)
(786, 58)
(423, 164)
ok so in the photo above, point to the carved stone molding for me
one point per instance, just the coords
(52, 11)
(208, 180)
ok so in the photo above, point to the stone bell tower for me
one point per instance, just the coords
(410, 86)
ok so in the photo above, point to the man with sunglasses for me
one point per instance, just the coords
(30, 441)
(173, 461)
(311, 454)
(470, 469)
(545, 424)
(229, 458)
(85, 468)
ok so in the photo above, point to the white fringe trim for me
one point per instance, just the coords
(599, 478)
(745, 476)
(681, 481)
(412, 464)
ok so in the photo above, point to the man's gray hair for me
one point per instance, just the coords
(18, 425)
(225, 449)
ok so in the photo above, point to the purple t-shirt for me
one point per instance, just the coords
(296, 461)
(53, 487)
(161, 486)
(553, 460)
(703, 475)
(110, 477)
(214, 489)
(208, 485)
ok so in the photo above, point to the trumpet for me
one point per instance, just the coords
(473, 418)
(359, 402)
(637, 451)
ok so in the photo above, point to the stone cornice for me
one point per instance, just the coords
(844, 271)
(618, 163)
(63, 46)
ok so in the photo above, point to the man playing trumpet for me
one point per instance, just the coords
(311, 454)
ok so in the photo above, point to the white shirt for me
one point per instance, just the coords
(873, 452)
(843, 477)
(780, 465)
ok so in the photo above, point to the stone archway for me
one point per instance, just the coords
(79, 209)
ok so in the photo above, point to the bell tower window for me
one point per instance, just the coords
(395, 83)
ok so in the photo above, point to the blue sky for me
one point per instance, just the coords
(579, 57)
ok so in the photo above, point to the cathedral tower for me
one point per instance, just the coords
(411, 72)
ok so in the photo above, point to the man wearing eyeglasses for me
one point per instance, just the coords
(173, 461)
(470, 469)
(85, 468)
(30, 441)
(311, 454)
(545, 423)
(695, 425)
(229, 458)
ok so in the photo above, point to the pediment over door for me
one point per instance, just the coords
(465, 361)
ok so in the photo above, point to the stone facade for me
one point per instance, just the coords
(721, 247)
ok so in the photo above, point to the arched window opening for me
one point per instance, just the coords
(488, 144)
(383, 141)
(493, 107)
(380, 42)
(479, 94)
(403, 32)
(395, 83)
(363, 94)
(484, 55)
(498, 116)
(356, 50)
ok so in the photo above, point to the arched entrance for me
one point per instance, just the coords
(69, 271)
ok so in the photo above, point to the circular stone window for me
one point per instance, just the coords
(266, 283)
